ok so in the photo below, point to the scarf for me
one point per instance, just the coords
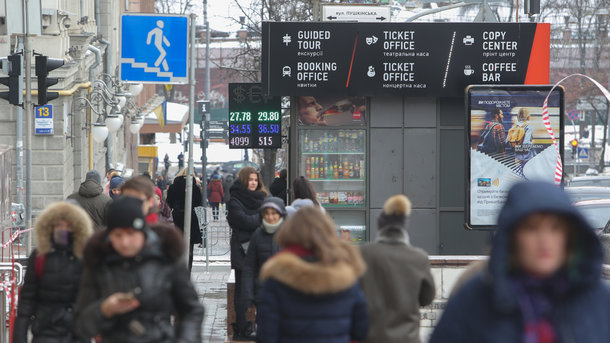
(537, 298)
(272, 228)
(251, 200)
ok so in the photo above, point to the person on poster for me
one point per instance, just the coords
(493, 137)
(310, 111)
(519, 137)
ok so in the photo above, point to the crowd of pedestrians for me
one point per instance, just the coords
(111, 268)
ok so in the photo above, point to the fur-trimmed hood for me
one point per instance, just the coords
(62, 210)
(312, 277)
(162, 241)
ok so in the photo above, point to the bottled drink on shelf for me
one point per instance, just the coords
(321, 167)
(356, 170)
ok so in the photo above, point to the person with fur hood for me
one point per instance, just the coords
(398, 280)
(262, 247)
(53, 275)
(135, 280)
(311, 292)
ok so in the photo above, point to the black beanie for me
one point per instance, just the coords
(395, 213)
(125, 212)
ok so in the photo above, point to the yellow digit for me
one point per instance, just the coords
(46, 112)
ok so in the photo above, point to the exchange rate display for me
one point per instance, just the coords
(254, 119)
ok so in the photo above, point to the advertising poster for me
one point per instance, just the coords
(508, 143)
(331, 110)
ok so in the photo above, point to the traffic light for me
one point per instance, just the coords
(574, 144)
(11, 65)
(44, 65)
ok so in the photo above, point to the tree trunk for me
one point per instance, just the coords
(268, 166)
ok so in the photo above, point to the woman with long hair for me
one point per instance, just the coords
(311, 291)
(247, 195)
(304, 196)
(175, 200)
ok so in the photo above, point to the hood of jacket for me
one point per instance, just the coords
(80, 221)
(312, 277)
(297, 204)
(90, 189)
(162, 241)
(585, 262)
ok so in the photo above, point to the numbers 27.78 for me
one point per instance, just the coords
(240, 116)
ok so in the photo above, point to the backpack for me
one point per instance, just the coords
(487, 143)
(516, 135)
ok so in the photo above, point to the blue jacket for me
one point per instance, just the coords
(486, 308)
(307, 302)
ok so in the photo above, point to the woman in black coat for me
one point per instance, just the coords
(135, 281)
(262, 247)
(175, 200)
(247, 195)
(53, 275)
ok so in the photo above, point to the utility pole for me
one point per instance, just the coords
(28, 112)
(205, 120)
(188, 200)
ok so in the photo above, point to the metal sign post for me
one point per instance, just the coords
(188, 201)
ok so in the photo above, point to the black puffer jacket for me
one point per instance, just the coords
(91, 198)
(175, 200)
(160, 281)
(46, 301)
(260, 249)
(244, 218)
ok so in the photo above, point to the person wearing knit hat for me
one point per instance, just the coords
(398, 280)
(91, 198)
(261, 247)
(135, 280)
(115, 187)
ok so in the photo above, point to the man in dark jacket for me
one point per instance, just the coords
(261, 247)
(135, 280)
(398, 279)
(279, 186)
(91, 198)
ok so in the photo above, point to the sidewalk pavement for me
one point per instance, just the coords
(212, 289)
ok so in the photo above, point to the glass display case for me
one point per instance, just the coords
(334, 163)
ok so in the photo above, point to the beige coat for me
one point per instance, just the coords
(396, 284)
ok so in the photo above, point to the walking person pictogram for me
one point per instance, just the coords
(160, 38)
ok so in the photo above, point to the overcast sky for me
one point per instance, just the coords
(219, 12)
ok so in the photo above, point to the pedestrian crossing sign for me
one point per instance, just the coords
(154, 48)
(583, 153)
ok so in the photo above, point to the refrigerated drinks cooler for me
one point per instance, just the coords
(334, 161)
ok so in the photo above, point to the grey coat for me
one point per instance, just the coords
(396, 284)
(91, 198)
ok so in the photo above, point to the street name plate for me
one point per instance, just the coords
(356, 13)
(417, 59)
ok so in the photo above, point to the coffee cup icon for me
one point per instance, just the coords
(468, 71)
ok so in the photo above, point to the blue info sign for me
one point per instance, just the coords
(43, 120)
(154, 48)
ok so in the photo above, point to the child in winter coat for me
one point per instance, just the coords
(53, 275)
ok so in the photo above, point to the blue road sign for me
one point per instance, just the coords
(154, 48)
(43, 120)
(573, 115)
(583, 153)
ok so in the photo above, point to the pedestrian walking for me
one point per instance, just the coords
(175, 199)
(91, 198)
(310, 291)
(279, 186)
(53, 275)
(115, 186)
(304, 196)
(141, 187)
(398, 280)
(226, 188)
(135, 281)
(247, 195)
(166, 164)
(542, 282)
(109, 175)
(181, 161)
(262, 247)
(215, 195)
